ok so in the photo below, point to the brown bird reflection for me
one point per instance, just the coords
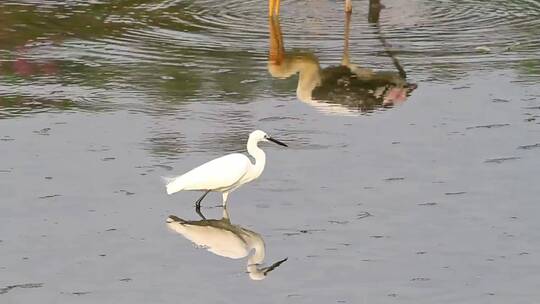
(341, 89)
(274, 6)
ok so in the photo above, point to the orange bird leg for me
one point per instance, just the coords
(276, 8)
(348, 6)
(273, 8)
(271, 5)
(345, 60)
(277, 50)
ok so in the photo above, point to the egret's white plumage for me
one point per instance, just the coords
(208, 176)
(225, 239)
(226, 173)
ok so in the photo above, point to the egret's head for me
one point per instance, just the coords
(259, 135)
(257, 274)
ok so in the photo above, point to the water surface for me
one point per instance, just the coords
(432, 199)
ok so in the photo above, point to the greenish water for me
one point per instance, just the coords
(416, 184)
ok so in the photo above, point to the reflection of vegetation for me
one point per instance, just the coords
(21, 23)
(530, 67)
(167, 143)
(179, 83)
(445, 72)
(506, 27)
(11, 106)
(123, 51)
(231, 140)
(161, 55)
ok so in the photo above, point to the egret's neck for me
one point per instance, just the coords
(258, 253)
(255, 260)
(260, 158)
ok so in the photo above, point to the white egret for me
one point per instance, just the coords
(225, 239)
(226, 173)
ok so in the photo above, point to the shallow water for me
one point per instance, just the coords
(429, 199)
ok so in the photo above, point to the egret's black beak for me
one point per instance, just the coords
(276, 141)
(274, 266)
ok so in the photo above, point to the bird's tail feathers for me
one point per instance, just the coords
(166, 179)
(173, 184)
(174, 218)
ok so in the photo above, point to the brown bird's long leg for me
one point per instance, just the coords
(348, 6)
(345, 60)
(276, 8)
(273, 8)
(277, 50)
(374, 13)
(375, 7)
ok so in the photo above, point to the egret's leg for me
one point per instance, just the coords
(226, 213)
(225, 195)
(348, 6)
(198, 202)
(198, 210)
(276, 8)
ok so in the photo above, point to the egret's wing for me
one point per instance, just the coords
(211, 236)
(219, 173)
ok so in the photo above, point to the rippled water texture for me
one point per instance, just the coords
(154, 56)
(411, 178)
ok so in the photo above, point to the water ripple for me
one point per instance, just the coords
(173, 50)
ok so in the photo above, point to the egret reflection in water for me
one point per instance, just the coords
(223, 238)
(343, 88)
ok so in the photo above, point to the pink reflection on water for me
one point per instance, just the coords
(26, 67)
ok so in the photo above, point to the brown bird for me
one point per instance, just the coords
(342, 89)
(273, 7)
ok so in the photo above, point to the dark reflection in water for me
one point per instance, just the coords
(128, 54)
(223, 238)
(347, 85)
(157, 56)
